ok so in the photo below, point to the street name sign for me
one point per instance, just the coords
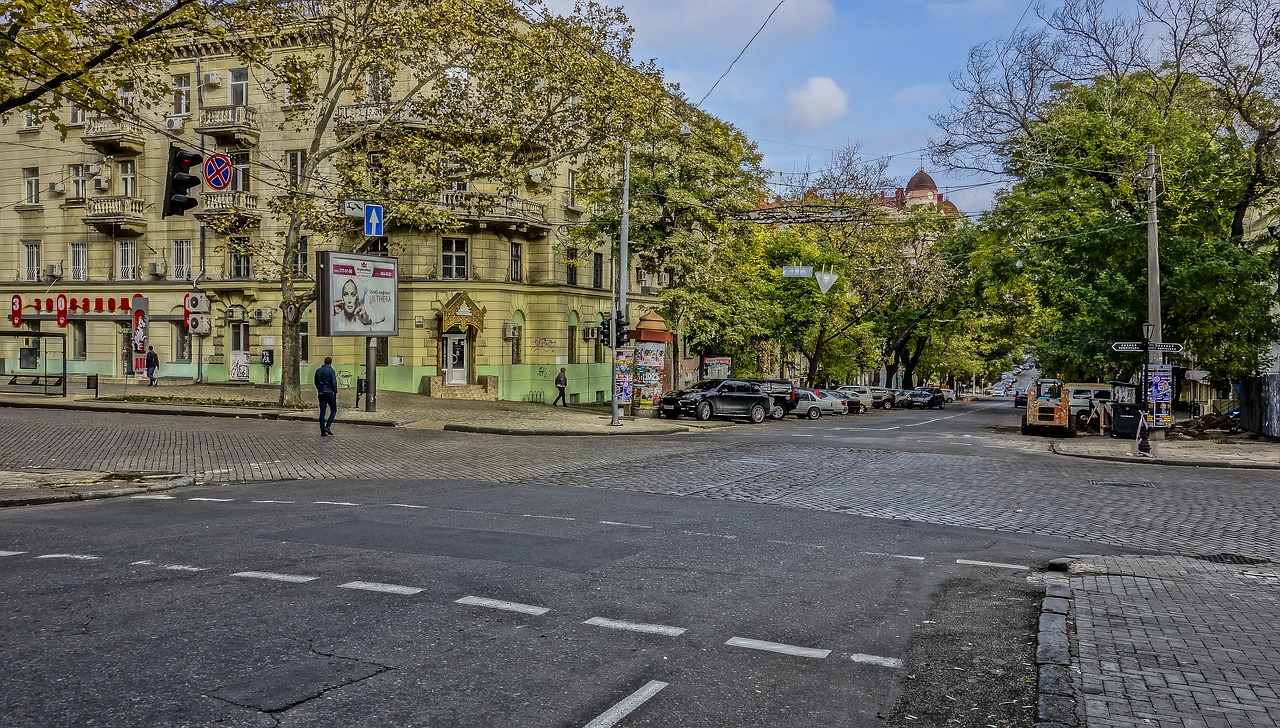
(797, 271)
(1143, 346)
(1167, 346)
(1127, 346)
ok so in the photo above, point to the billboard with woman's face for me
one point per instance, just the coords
(358, 295)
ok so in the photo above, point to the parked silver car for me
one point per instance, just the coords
(811, 404)
(877, 397)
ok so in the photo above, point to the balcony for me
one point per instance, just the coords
(238, 209)
(119, 216)
(358, 116)
(230, 125)
(114, 137)
(514, 214)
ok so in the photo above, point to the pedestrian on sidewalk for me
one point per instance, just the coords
(562, 381)
(327, 390)
(153, 363)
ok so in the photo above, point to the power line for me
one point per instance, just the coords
(741, 52)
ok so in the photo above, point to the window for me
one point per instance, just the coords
(31, 261)
(240, 176)
(31, 186)
(377, 174)
(300, 260)
(129, 179)
(304, 342)
(238, 90)
(79, 255)
(597, 270)
(601, 348)
(573, 345)
(76, 116)
(571, 267)
(517, 261)
(573, 189)
(517, 345)
(29, 121)
(241, 266)
(453, 258)
(79, 340)
(78, 175)
(181, 95)
(239, 337)
(182, 259)
(127, 260)
(457, 80)
(181, 342)
(294, 161)
(380, 245)
(377, 87)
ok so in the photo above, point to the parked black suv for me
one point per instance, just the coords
(927, 397)
(783, 393)
(717, 398)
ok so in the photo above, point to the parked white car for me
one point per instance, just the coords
(949, 395)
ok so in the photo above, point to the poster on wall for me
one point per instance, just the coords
(358, 295)
(1160, 394)
(650, 361)
(716, 367)
(622, 364)
(138, 336)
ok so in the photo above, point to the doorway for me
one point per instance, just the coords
(455, 353)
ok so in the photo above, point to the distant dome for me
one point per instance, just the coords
(921, 181)
(949, 207)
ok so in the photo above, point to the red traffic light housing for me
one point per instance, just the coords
(620, 327)
(178, 180)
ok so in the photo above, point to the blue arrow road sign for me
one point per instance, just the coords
(373, 220)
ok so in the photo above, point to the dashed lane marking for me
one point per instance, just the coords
(154, 496)
(892, 556)
(505, 606)
(275, 501)
(291, 578)
(73, 557)
(170, 567)
(550, 518)
(793, 543)
(620, 523)
(376, 587)
(710, 535)
(624, 708)
(333, 503)
(876, 660)
(11, 553)
(661, 629)
(406, 505)
(778, 647)
(993, 564)
(213, 500)
(796, 434)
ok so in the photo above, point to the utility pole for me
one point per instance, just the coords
(196, 281)
(622, 272)
(1153, 255)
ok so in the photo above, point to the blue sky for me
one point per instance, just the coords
(825, 73)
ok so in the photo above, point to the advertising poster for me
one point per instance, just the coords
(238, 371)
(622, 364)
(716, 367)
(1160, 394)
(650, 359)
(139, 333)
(358, 295)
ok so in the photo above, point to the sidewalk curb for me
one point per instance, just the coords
(1157, 461)
(41, 500)
(1059, 692)
(611, 431)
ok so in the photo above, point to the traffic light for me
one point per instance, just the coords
(178, 179)
(620, 329)
(606, 331)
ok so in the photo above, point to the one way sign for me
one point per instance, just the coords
(373, 219)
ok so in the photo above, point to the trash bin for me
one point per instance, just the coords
(1124, 419)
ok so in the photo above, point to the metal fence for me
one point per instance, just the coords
(1260, 405)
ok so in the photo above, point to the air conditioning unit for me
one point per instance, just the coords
(200, 323)
(53, 270)
(175, 123)
(212, 79)
(156, 269)
(57, 188)
(94, 168)
(510, 331)
(263, 314)
(197, 302)
(235, 314)
(101, 184)
(590, 332)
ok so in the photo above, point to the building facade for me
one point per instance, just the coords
(491, 309)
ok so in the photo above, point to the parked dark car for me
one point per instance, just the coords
(1020, 397)
(718, 398)
(783, 393)
(927, 397)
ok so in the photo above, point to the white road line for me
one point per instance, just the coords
(506, 606)
(213, 500)
(154, 496)
(611, 716)
(405, 505)
(551, 518)
(994, 564)
(778, 647)
(73, 557)
(11, 553)
(171, 567)
(877, 660)
(376, 587)
(799, 435)
(926, 422)
(275, 501)
(793, 543)
(892, 556)
(661, 629)
(620, 523)
(333, 503)
(291, 578)
(997, 447)
(711, 535)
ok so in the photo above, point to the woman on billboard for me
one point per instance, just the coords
(348, 311)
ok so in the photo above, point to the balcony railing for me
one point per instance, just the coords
(372, 114)
(480, 205)
(122, 206)
(114, 136)
(104, 126)
(230, 124)
(219, 202)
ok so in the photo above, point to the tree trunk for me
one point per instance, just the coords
(910, 361)
(292, 306)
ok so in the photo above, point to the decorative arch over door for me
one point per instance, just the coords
(461, 320)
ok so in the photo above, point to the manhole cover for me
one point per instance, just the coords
(1121, 484)
(1235, 559)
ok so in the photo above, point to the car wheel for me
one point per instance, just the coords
(813, 413)
(888, 405)
(777, 412)
(757, 414)
(1026, 429)
(703, 411)
(862, 409)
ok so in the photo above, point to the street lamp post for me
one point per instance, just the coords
(1144, 443)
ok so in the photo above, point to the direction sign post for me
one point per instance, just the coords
(373, 220)
(1128, 346)
(1166, 346)
(1144, 346)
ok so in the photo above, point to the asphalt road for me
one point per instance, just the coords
(876, 570)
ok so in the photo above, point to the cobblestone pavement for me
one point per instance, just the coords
(1169, 641)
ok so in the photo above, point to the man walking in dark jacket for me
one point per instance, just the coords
(327, 388)
(153, 363)
(562, 381)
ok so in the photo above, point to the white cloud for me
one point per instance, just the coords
(920, 95)
(819, 104)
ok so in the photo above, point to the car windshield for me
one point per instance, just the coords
(705, 385)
